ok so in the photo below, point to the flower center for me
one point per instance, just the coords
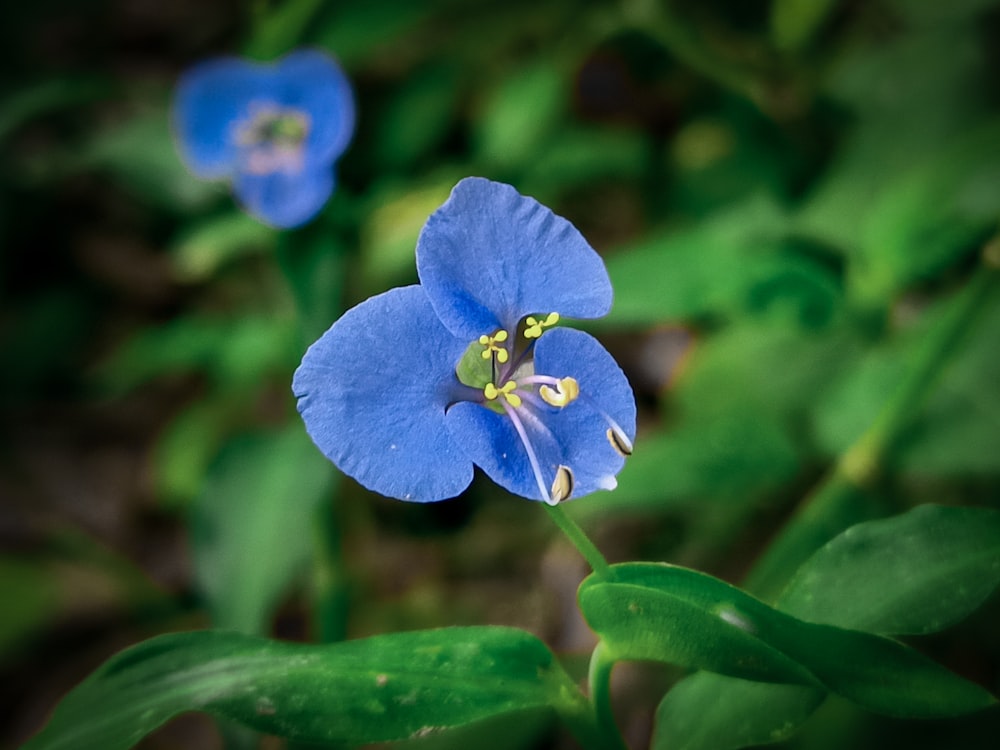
(500, 366)
(271, 138)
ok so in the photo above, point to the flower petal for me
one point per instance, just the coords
(210, 99)
(285, 199)
(312, 81)
(573, 436)
(373, 391)
(581, 427)
(490, 440)
(489, 256)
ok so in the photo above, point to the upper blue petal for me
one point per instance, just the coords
(285, 199)
(489, 256)
(373, 391)
(311, 81)
(574, 436)
(210, 98)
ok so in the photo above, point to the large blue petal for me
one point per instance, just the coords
(209, 100)
(373, 391)
(285, 199)
(574, 436)
(311, 81)
(489, 256)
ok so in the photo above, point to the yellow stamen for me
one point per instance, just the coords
(562, 485)
(535, 326)
(506, 390)
(619, 442)
(492, 344)
(565, 393)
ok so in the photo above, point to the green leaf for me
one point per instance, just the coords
(36, 594)
(252, 524)
(377, 689)
(725, 458)
(683, 274)
(279, 27)
(913, 573)
(665, 613)
(709, 711)
(206, 246)
(520, 112)
(795, 22)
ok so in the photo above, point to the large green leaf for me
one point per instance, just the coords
(647, 611)
(916, 572)
(377, 689)
(912, 574)
(252, 524)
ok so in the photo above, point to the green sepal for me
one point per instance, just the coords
(474, 370)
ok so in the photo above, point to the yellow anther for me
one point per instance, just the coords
(620, 442)
(535, 326)
(492, 344)
(565, 393)
(506, 390)
(562, 485)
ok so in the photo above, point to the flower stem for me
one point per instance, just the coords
(843, 496)
(329, 586)
(579, 539)
(599, 679)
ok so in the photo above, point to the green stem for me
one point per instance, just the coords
(599, 679)
(329, 586)
(579, 539)
(842, 497)
(663, 23)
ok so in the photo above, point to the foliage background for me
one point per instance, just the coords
(791, 197)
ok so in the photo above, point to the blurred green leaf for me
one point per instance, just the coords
(417, 117)
(251, 524)
(518, 116)
(237, 353)
(46, 96)
(389, 234)
(185, 449)
(927, 217)
(795, 22)
(684, 274)
(903, 120)
(578, 156)
(32, 597)
(360, 31)
(280, 26)
(954, 433)
(140, 152)
(914, 573)
(207, 245)
(728, 458)
(377, 689)
(645, 611)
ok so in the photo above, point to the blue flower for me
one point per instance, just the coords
(411, 388)
(274, 130)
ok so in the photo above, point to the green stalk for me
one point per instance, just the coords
(843, 495)
(599, 681)
(579, 539)
(330, 599)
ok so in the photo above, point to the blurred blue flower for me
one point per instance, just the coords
(275, 130)
(411, 388)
